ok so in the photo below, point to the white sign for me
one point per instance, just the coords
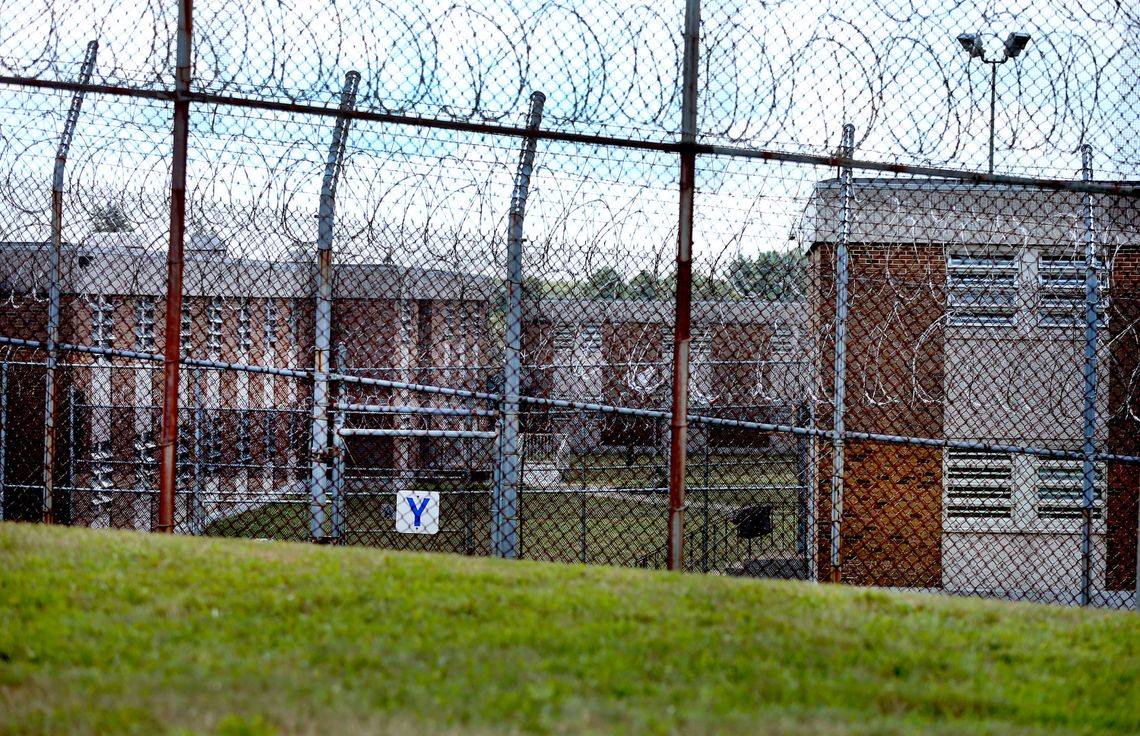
(417, 512)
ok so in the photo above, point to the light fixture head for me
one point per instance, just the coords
(1015, 43)
(971, 43)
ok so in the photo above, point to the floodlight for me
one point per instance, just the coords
(1015, 43)
(971, 43)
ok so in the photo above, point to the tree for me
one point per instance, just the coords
(646, 285)
(769, 275)
(110, 218)
(605, 283)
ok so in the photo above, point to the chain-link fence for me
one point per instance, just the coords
(718, 288)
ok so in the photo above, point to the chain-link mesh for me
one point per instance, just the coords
(422, 306)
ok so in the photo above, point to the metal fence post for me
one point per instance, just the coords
(3, 430)
(319, 442)
(1092, 319)
(679, 424)
(840, 396)
(69, 124)
(339, 451)
(168, 442)
(504, 495)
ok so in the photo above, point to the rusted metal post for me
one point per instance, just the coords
(3, 430)
(53, 280)
(326, 218)
(842, 274)
(505, 489)
(679, 425)
(1088, 448)
(340, 449)
(168, 442)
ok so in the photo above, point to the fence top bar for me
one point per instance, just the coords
(459, 433)
(1131, 189)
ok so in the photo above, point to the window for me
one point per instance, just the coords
(185, 328)
(701, 368)
(144, 325)
(214, 326)
(979, 484)
(1062, 284)
(269, 431)
(101, 465)
(243, 435)
(270, 325)
(146, 459)
(213, 449)
(102, 323)
(782, 340)
(982, 290)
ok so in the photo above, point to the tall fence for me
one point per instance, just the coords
(838, 292)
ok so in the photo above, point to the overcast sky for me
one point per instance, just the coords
(782, 75)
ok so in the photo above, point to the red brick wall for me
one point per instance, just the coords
(1123, 426)
(891, 528)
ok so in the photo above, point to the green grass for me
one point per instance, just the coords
(643, 470)
(628, 531)
(105, 632)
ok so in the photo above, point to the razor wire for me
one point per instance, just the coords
(985, 441)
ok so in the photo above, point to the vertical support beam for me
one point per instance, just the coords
(326, 217)
(168, 442)
(679, 423)
(53, 280)
(1088, 449)
(3, 430)
(504, 495)
(840, 390)
(197, 497)
(339, 450)
(812, 498)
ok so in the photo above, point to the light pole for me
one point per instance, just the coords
(1015, 43)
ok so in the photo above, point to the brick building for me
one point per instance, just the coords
(966, 322)
(749, 361)
(244, 437)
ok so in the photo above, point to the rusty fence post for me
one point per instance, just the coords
(679, 423)
(326, 218)
(168, 442)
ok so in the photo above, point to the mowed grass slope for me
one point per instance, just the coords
(104, 632)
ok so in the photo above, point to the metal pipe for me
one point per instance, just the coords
(3, 430)
(1092, 319)
(65, 137)
(197, 512)
(504, 503)
(679, 424)
(209, 98)
(319, 442)
(457, 433)
(840, 389)
(993, 109)
(810, 431)
(168, 442)
(395, 409)
(340, 448)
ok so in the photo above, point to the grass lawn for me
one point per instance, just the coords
(557, 527)
(643, 470)
(110, 632)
